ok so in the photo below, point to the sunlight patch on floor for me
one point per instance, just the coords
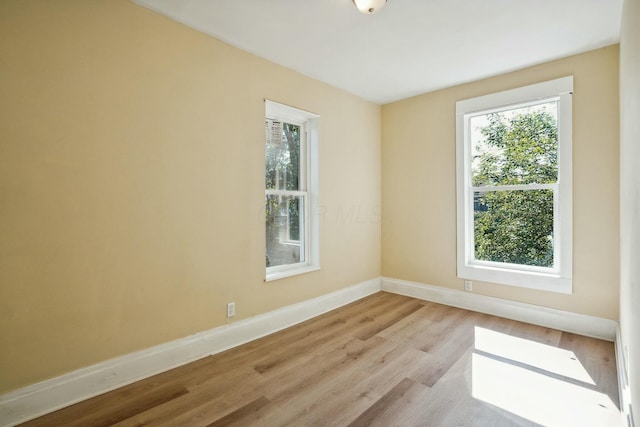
(542, 356)
(537, 397)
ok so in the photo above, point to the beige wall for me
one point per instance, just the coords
(131, 184)
(630, 195)
(419, 192)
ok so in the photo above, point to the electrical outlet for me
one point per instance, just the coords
(468, 285)
(231, 309)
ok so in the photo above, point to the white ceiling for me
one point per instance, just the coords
(409, 47)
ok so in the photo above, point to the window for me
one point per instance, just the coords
(290, 191)
(514, 201)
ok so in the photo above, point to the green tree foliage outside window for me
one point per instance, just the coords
(515, 148)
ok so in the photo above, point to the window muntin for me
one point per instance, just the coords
(290, 191)
(514, 186)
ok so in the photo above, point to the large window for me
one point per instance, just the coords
(290, 191)
(514, 187)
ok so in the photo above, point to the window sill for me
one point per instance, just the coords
(523, 279)
(288, 273)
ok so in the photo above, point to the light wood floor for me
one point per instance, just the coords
(386, 360)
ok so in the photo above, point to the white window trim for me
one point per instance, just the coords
(560, 278)
(309, 153)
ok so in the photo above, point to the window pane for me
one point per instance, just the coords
(282, 156)
(293, 224)
(514, 227)
(285, 229)
(518, 146)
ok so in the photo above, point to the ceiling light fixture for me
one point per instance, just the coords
(369, 6)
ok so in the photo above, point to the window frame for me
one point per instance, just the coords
(308, 191)
(560, 277)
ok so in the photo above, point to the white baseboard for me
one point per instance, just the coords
(581, 324)
(47, 396)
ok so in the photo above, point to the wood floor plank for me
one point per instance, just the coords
(107, 411)
(416, 323)
(212, 398)
(380, 377)
(597, 358)
(325, 325)
(376, 324)
(249, 413)
(377, 410)
(315, 379)
(346, 321)
(536, 333)
(459, 333)
(328, 401)
(385, 360)
(449, 395)
(425, 320)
